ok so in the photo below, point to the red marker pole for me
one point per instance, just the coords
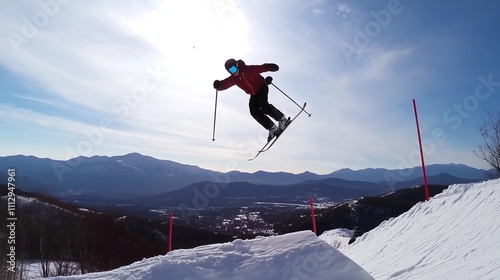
(170, 233)
(312, 214)
(426, 188)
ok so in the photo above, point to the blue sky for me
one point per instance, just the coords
(114, 77)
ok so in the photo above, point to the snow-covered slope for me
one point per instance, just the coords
(455, 235)
(293, 256)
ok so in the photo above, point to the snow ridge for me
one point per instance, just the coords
(299, 255)
(455, 235)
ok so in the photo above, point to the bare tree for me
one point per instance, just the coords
(490, 131)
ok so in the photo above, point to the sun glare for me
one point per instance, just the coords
(193, 38)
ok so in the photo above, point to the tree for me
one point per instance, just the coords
(490, 131)
(356, 233)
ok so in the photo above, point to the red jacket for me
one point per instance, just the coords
(249, 78)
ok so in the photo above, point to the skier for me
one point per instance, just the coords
(248, 78)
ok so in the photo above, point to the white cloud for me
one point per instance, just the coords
(149, 67)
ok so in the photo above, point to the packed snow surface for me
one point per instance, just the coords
(455, 235)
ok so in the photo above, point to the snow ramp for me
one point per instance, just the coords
(455, 235)
(294, 256)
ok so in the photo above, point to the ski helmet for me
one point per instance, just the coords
(230, 63)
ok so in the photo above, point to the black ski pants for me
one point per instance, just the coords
(260, 107)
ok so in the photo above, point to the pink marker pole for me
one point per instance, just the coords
(170, 233)
(312, 214)
(426, 188)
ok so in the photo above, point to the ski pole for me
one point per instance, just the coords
(290, 99)
(215, 114)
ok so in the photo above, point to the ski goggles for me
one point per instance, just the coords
(232, 69)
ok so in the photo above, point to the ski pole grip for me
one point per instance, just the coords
(269, 80)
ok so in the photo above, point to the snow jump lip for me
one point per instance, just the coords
(454, 235)
(293, 256)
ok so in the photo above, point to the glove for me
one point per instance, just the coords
(269, 80)
(273, 67)
(216, 84)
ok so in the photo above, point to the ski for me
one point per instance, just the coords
(271, 142)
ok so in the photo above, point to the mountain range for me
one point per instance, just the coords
(135, 174)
